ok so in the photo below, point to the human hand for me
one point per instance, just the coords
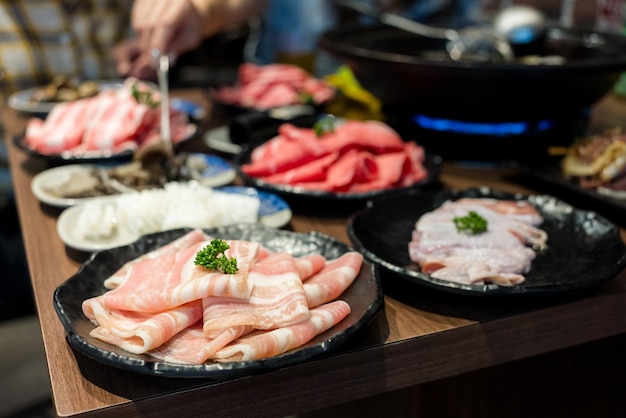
(163, 26)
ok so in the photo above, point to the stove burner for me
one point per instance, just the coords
(485, 140)
(501, 129)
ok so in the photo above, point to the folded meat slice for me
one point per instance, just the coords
(277, 299)
(323, 282)
(501, 254)
(262, 344)
(187, 240)
(138, 332)
(330, 282)
(191, 346)
(172, 279)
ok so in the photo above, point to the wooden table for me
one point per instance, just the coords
(416, 346)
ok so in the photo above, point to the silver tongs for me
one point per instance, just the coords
(157, 152)
(163, 72)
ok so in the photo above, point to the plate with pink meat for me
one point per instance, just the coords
(85, 303)
(113, 124)
(483, 242)
(348, 162)
(263, 87)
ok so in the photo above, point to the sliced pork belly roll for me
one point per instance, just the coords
(138, 332)
(277, 299)
(173, 279)
(263, 344)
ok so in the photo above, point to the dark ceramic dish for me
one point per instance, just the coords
(549, 176)
(584, 249)
(296, 195)
(87, 156)
(364, 297)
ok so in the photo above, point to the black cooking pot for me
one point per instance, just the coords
(412, 72)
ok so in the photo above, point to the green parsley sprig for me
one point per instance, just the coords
(326, 124)
(212, 257)
(144, 97)
(473, 223)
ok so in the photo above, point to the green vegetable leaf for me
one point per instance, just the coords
(212, 257)
(324, 125)
(473, 223)
(305, 98)
(144, 97)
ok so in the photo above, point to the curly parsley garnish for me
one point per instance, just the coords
(473, 223)
(325, 124)
(212, 257)
(144, 97)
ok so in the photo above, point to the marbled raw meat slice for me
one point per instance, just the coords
(139, 332)
(323, 282)
(185, 241)
(290, 148)
(191, 346)
(277, 298)
(330, 282)
(498, 255)
(173, 279)
(352, 167)
(370, 135)
(308, 172)
(62, 129)
(264, 344)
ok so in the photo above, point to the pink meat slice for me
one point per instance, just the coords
(157, 284)
(277, 299)
(138, 332)
(191, 346)
(292, 147)
(352, 167)
(185, 241)
(499, 255)
(374, 136)
(62, 129)
(329, 283)
(263, 344)
(308, 172)
(324, 282)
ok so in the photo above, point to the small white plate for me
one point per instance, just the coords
(219, 172)
(273, 212)
(22, 100)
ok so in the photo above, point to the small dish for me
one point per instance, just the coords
(273, 212)
(218, 172)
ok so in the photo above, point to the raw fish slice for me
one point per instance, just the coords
(263, 344)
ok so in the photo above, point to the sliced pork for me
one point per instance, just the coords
(502, 254)
(110, 122)
(274, 85)
(289, 301)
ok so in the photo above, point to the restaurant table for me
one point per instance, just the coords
(426, 350)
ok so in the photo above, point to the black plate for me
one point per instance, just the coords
(584, 249)
(296, 195)
(87, 156)
(364, 297)
(550, 174)
(400, 68)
